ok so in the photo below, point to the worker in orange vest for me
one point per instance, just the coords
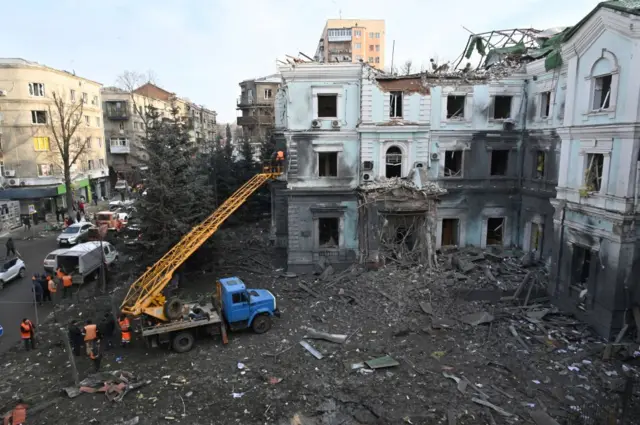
(67, 282)
(94, 355)
(90, 333)
(17, 416)
(125, 330)
(278, 161)
(27, 332)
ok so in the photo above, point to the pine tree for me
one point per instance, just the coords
(178, 194)
(228, 134)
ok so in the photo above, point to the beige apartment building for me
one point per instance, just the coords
(30, 162)
(124, 117)
(353, 40)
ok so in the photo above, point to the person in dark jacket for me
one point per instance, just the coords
(75, 337)
(42, 281)
(36, 288)
(107, 328)
(11, 247)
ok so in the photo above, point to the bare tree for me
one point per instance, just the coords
(406, 68)
(64, 119)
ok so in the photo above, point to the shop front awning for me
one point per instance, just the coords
(29, 192)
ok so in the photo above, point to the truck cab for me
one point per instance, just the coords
(246, 308)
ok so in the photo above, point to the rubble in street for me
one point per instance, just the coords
(473, 340)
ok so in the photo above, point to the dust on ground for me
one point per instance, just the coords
(474, 341)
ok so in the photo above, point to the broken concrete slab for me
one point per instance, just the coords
(315, 353)
(475, 319)
(326, 273)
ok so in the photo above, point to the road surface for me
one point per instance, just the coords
(16, 299)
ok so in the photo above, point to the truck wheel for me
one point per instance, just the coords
(173, 308)
(21, 273)
(261, 324)
(182, 342)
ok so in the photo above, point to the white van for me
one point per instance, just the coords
(84, 259)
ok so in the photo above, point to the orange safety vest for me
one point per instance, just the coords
(51, 284)
(124, 328)
(280, 156)
(59, 274)
(90, 332)
(67, 281)
(25, 330)
(17, 416)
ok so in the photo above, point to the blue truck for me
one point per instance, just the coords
(233, 307)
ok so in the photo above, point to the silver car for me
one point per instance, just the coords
(74, 234)
(50, 259)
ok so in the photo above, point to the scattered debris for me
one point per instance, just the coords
(492, 406)
(475, 319)
(315, 353)
(382, 362)
(313, 334)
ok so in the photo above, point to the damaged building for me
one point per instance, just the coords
(535, 147)
(317, 110)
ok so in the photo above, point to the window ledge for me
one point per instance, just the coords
(452, 177)
(598, 112)
(498, 120)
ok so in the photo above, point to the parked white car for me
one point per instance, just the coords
(12, 269)
(50, 259)
(74, 234)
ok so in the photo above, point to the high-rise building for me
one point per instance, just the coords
(352, 40)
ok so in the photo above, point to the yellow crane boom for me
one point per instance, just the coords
(145, 294)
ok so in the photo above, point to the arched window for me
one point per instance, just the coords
(393, 162)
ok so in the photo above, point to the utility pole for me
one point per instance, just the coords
(72, 360)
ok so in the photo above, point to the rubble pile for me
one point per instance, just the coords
(471, 341)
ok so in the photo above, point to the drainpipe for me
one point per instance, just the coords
(561, 247)
(521, 151)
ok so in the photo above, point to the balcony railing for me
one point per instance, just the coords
(120, 149)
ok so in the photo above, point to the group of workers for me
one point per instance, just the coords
(45, 287)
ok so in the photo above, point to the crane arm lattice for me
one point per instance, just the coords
(147, 290)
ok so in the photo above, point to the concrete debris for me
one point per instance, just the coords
(475, 319)
(382, 362)
(492, 406)
(315, 353)
(313, 334)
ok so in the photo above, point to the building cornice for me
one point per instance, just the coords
(326, 135)
(604, 19)
(622, 131)
(40, 67)
(321, 72)
(444, 134)
(393, 128)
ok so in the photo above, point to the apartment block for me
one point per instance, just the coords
(125, 118)
(30, 160)
(353, 40)
(257, 108)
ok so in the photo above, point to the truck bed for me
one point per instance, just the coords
(179, 325)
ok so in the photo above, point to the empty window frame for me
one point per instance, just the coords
(327, 106)
(395, 104)
(268, 93)
(502, 107)
(45, 170)
(393, 161)
(450, 231)
(495, 231)
(39, 117)
(36, 89)
(545, 104)
(499, 162)
(593, 173)
(328, 232)
(455, 107)
(453, 163)
(581, 266)
(538, 165)
(602, 92)
(327, 164)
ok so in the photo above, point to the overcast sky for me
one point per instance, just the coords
(202, 49)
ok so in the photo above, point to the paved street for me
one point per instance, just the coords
(16, 298)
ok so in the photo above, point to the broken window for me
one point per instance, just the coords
(327, 106)
(450, 228)
(581, 262)
(539, 165)
(602, 93)
(328, 164)
(328, 232)
(501, 107)
(495, 230)
(267, 93)
(39, 117)
(499, 162)
(395, 104)
(453, 164)
(393, 162)
(593, 175)
(545, 104)
(455, 107)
